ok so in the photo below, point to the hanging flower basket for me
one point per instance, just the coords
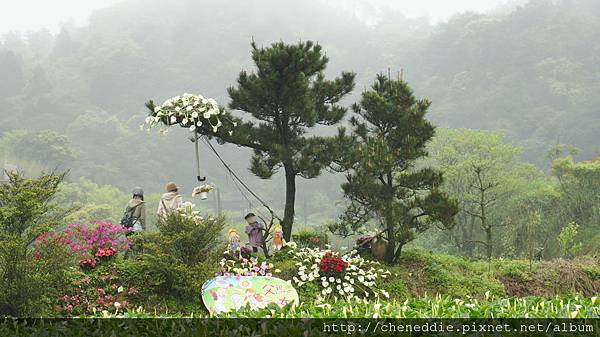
(187, 110)
(202, 191)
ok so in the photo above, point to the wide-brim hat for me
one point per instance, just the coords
(171, 187)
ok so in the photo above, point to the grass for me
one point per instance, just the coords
(424, 272)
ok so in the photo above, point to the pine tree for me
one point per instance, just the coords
(280, 102)
(384, 183)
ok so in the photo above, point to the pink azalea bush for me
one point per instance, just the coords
(88, 240)
(91, 243)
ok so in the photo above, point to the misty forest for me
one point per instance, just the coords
(442, 170)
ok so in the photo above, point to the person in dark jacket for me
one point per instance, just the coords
(139, 210)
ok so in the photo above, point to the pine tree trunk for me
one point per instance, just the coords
(398, 253)
(290, 200)
(490, 247)
(391, 245)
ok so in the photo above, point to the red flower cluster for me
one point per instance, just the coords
(331, 264)
(87, 264)
(106, 252)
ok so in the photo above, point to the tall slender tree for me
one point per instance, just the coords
(280, 102)
(385, 184)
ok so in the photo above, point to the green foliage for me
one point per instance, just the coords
(514, 269)
(396, 287)
(48, 147)
(426, 272)
(524, 207)
(309, 238)
(380, 158)
(580, 200)
(158, 276)
(188, 239)
(94, 202)
(30, 280)
(30, 274)
(26, 204)
(102, 72)
(16, 282)
(568, 246)
(593, 272)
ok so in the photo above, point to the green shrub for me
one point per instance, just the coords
(188, 237)
(159, 274)
(310, 239)
(593, 272)
(26, 206)
(30, 275)
(29, 283)
(395, 287)
(438, 277)
(514, 269)
(287, 269)
(569, 247)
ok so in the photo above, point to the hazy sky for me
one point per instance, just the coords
(23, 15)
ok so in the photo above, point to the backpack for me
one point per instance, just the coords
(128, 219)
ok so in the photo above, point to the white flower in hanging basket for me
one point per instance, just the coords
(187, 110)
(202, 191)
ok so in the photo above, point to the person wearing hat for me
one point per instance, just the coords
(170, 201)
(135, 211)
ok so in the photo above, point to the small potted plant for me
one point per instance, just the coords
(202, 191)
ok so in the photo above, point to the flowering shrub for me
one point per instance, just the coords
(347, 275)
(95, 293)
(245, 267)
(188, 110)
(90, 239)
(47, 241)
(87, 264)
(106, 253)
(188, 210)
(101, 240)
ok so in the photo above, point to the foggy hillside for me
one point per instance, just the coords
(532, 71)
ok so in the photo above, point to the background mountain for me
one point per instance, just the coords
(531, 70)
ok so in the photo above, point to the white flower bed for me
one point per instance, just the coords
(358, 279)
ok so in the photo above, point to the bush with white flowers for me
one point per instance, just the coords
(345, 275)
(188, 210)
(188, 110)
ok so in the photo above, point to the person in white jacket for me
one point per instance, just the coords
(170, 201)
